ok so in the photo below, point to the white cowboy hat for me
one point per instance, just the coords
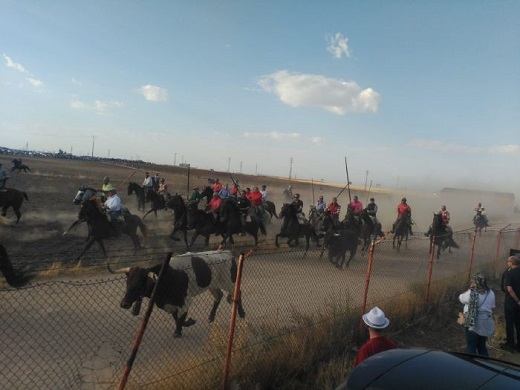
(376, 319)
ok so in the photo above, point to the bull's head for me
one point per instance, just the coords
(139, 284)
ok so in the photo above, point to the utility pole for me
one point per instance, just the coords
(240, 167)
(93, 141)
(174, 159)
(366, 178)
(290, 167)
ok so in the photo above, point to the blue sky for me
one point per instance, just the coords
(421, 94)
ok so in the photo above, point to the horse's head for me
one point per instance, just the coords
(83, 194)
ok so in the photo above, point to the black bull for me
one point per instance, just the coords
(187, 276)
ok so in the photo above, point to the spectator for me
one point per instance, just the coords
(376, 322)
(479, 302)
(511, 283)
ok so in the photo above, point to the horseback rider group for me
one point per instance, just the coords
(481, 214)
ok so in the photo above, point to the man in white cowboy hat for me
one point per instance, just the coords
(376, 322)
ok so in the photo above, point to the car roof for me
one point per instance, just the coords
(426, 369)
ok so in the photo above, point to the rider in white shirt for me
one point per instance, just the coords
(113, 205)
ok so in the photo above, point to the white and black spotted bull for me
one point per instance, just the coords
(187, 276)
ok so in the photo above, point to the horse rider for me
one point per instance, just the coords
(288, 195)
(445, 214)
(193, 205)
(3, 178)
(113, 207)
(106, 186)
(217, 186)
(334, 208)
(224, 193)
(264, 193)
(147, 184)
(256, 199)
(402, 208)
(320, 206)
(372, 213)
(480, 213)
(163, 190)
(244, 205)
(235, 191)
(357, 207)
(214, 206)
(156, 182)
(298, 206)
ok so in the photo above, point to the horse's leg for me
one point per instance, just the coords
(276, 241)
(18, 214)
(148, 212)
(89, 243)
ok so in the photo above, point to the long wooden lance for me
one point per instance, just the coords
(188, 191)
(348, 180)
(312, 185)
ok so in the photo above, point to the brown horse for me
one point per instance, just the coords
(12, 198)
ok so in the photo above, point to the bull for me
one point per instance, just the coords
(338, 243)
(186, 276)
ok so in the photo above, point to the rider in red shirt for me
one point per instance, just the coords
(214, 205)
(217, 186)
(401, 209)
(255, 197)
(334, 209)
(356, 205)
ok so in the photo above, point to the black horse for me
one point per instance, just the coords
(480, 222)
(12, 277)
(101, 228)
(203, 223)
(231, 219)
(133, 187)
(12, 198)
(292, 229)
(270, 208)
(338, 242)
(441, 235)
(401, 231)
(157, 201)
(19, 166)
(369, 230)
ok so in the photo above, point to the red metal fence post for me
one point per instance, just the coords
(236, 297)
(430, 270)
(142, 327)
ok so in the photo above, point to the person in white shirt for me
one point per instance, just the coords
(113, 205)
(147, 184)
(264, 193)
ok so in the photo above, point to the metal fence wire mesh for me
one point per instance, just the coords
(73, 334)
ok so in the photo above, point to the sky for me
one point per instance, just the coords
(413, 94)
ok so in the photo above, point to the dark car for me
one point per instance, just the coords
(403, 369)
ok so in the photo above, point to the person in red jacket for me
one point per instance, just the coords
(402, 208)
(214, 205)
(255, 197)
(376, 322)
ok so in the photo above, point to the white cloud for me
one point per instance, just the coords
(316, 140)
(338, 46)
(74, 81)
(455, 148)
(34, 82)
(11, 64)
(153, 93)
(335, 95)
(99, 107)
(505, 149)
(273, 135)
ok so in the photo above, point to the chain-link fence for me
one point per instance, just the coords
(73, 334)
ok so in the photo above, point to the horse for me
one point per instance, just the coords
(402, 228)
(230, 217)
(339, 242)
(157, 201)
(203, 223)
(292, 229)
(19, 166)
(367, 229)
(133, 187)
(101, 228)
(270, 208)
(480, 222)
(12, 277)
(441, 235)
(12, 198)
